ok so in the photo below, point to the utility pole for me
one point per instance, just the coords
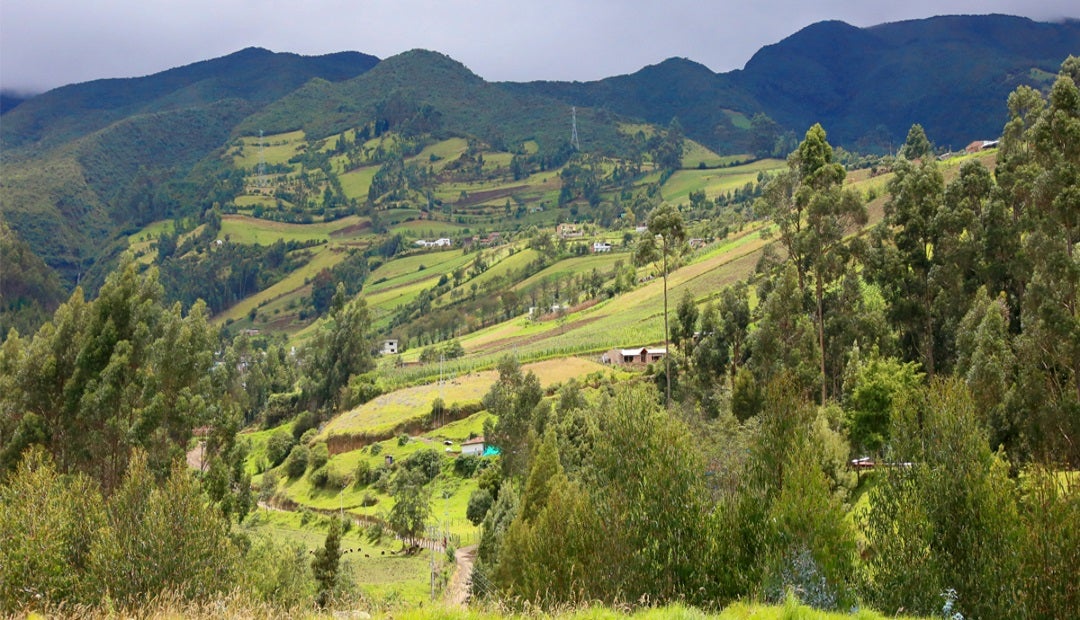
(573, 129)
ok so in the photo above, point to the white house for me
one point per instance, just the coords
(389, 346)
(601, 246)
(644, 355)
(473, 447)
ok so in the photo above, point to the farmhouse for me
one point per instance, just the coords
(643, 355)
(568, 231)
(981, 145)
(473, 447)
(389, 346)
(601, 246)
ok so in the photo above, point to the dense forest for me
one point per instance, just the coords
(941, 345)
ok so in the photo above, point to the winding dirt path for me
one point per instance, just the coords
(457, 591)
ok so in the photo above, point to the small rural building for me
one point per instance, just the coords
(568, 231)
(601, 246)
(389, 346)
(643, 355)
(473, 447)
(981, 145)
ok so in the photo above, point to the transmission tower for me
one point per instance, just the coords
(573, 129)
(261, 169)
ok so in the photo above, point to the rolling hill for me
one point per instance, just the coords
(86, 165)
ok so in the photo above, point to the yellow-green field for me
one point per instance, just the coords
(409, 405)
(275, 149)
(250, 230)
(714, 182)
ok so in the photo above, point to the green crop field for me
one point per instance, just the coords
(250, 230)
(355, 183)
(715, 182)
(394, 410)
(577, 265)
(695, 154)
(427, 229)
(275, 149)
(417, 266)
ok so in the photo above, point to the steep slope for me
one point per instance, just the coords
(254, 75)
(867, 86)
(450, 99)
(676, 87)
(84, 161)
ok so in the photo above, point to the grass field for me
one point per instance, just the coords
(275, 149)
(250, 230)
(380, 572)
(716, 181)
(355, 183)
(410, 405)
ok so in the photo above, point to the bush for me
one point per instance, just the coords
(308, 436)
(403, 439)
(362, 473)
(278, 446)
(320, 454)
(376, 449)
(479, 504)
(369, 500)
(297, 463)
(427, 462)
(304, 422)
(318, 477)
(337, 479)
(466, 466)
(268, 486)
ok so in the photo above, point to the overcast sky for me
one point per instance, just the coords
(49, 43)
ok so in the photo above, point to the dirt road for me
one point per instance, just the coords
(457, 591)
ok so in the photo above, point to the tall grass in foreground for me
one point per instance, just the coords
(238, 606)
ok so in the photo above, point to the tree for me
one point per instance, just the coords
(326, 562)
(512, 398)
(412, 504)
(830, 211)
(666, 224)
(113, 375)
(340, 350)
(917, 145)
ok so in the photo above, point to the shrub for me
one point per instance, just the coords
(376, 448)
(278, 446)
(479, 504)
(369, 500)
(308, 436)
(304, 422)
(297, 463)
(268, 486)
(318, 477)
(466, 466)
(337, 479)
(427, 462)
(320, 454)
(362, 473)
(403, 439)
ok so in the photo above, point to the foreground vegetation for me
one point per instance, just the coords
(938, 345)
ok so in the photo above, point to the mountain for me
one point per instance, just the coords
(950, 74)
(677, 87)
(253, 75)
(10, 100)
(84, 161)
(867, 86)
(457, 102)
